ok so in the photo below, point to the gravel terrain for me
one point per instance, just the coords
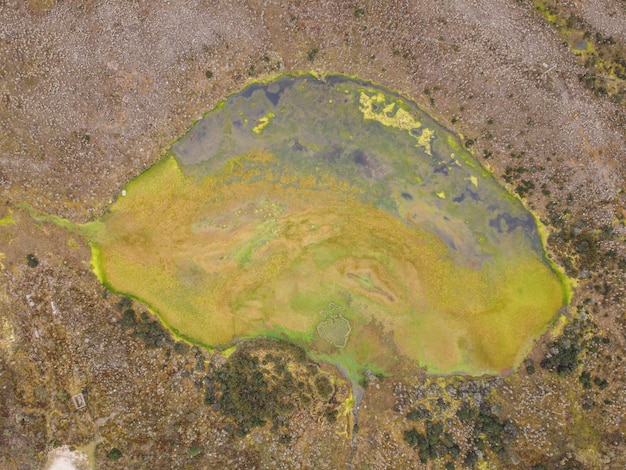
(92, 92)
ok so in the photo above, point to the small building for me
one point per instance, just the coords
(79, 401)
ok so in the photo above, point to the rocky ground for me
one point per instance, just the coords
(91, 92)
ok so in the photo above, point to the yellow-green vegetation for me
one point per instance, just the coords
(8, 219)
(262, 123)
(378, 108)
(317, 230)
(604, 57)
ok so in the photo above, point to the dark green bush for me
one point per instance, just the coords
(585, 379)
(32, 261)
(433, 443)
(323, 386)
(564, 359)
(419, 413)
(530, 366)
(114, 454)
(128, 318)
(181, 347)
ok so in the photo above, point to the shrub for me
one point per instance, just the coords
(114, 454)
(181, 348)
(565, 357)
(123, 304)
(585, 379)
(433, 444)
(32, 261)
(323, 386)
(419, 413)
(471, 459)
(128, 318)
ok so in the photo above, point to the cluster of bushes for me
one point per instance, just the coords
(608, 79)
(487, 429)
(255, 386)
(419, 413)
(563, 353)
(586, 381)
(149, 331)
(574, 241)
(511, 174)
(433, 443)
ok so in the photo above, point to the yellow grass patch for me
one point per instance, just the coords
(218, 259)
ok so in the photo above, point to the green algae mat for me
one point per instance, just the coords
(334, 214)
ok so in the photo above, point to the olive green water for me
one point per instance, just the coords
(337, 215)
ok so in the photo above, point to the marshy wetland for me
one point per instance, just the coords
(334, 214)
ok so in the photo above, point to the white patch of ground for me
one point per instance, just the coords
(62, 458)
